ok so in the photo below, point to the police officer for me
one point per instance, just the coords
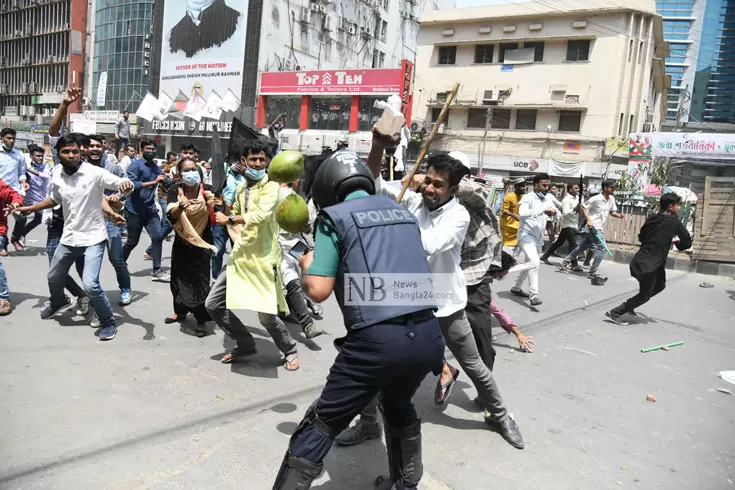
(390, 346)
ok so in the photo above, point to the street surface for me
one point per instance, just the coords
(154, 408)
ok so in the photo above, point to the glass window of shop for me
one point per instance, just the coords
(368, 115)
(330, 113)
(290, 107)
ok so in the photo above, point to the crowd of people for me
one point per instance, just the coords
(441, 225)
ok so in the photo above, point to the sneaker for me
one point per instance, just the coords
(107, 333)
(565, 266)
(312, 331)
(536, 301)
(50, 311)
(361, 431)
(82, 305)
(545, 260)
(615, 318)
(4, 307)
(315, 308)
(519, 292)
(94, 322)
(509, 430)
(161, 275)
(126, 297)
(597, 280)
(147, 256)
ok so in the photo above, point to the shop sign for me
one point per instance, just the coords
(374, 81)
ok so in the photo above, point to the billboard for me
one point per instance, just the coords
(203, 50)
(356, 82)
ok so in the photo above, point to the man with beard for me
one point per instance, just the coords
(207, 23)
(509, 219)
(79, 187)
(140, 209)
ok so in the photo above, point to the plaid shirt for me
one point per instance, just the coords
(483, 244)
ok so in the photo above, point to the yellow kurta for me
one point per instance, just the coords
(509, 226)
(254, 268)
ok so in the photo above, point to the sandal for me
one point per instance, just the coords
(236, 355)
(293, 364)
(174, 319)
(443, 390)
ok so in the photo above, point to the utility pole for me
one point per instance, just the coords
(488, 127)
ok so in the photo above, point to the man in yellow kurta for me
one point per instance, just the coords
(509, 219)
(252, 278)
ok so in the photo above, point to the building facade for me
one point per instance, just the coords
(543, 87)
(42, 45)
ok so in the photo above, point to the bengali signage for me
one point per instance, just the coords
(572, 147)
(719, 146)
(355, 82)
(406, 89)
(102, 89)
(104, 117)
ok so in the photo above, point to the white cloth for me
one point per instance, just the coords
(528, 252)
(599, 209)
(442, 233)
(125, 162)
(533, 220)
(569, 218)
(80, 196)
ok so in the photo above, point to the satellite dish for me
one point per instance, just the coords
(414, 126)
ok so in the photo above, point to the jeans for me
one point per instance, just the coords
(528, 252)
(225, 319)
(152, 224)
(64, 257)
(4, 291)
(52, 243)
(569, 235)
(3, 242)
(115, 253)
(589, 241)
(119, 144)
(23, 227)
(166, 228)
(220, 237)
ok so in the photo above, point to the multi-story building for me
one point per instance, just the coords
(543, 85)
(701, 63)
(121, 51)
(42, 46)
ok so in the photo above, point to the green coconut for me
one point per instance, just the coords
(292, 214)
(286, 167)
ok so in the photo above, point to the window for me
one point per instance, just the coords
(630, 125)
(504, 48)
(484, 53)
(620, 124)
(500, 119)
(640, 52)
(368, 115)
(435, 114)
(330, 113)
(476, 118)
(447, 55)
(526, 119)
(539, 46)
(383, 30)
(570, 121)
(630, 50)
(578, 50)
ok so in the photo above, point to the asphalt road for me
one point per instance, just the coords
(154, 409)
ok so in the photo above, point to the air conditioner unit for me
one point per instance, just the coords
(314, 7)
(31, 110)
(327, 25)
(23, 110)
(440, 130)
(46, 112)
(85, 101)
(60, 89)
(322, 9)
(365, 30)
(305, 16)
(18, 33)
(351, 29)
(66, 26)
(51, 59)
(32, 88)
(491, 96)
(343, 23)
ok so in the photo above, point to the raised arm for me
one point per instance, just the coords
(72, 95)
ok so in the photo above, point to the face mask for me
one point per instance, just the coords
(253, 174)
(149, 156)
(191, 178)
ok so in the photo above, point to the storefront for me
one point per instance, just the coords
(331, 100)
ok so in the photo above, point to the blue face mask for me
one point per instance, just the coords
(253, 174)
(191, 178)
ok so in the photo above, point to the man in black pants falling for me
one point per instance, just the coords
(649, 263)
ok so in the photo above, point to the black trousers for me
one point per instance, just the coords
(649, 286)
(387, 359)
(297, 303)
(480, 318)
(570, 236)
(200, 312)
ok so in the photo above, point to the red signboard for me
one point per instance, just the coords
(406, 82)
(355, 82)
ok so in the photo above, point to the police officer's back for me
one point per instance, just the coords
(368, 250)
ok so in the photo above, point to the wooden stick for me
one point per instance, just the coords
(428, 141)
(276, 120)
(391, 167)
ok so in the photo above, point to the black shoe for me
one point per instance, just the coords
(545, 260)
(509, 430)
(50, 311)
(615, 318)
(361, 431)
(519, 292)
(597, 280)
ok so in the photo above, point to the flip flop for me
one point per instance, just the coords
(237, 355)
(443, 390)
(290, 363)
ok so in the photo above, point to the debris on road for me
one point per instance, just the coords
(728, 376)
(723, 390)
(579, 350)
(220, 399)
(650, 398)
(662, 347)
(706, 285)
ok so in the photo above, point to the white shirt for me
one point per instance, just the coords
(533, 220)
(570, 218)
(125, 162)
(599, 209)
(442, 234)
(80, 196)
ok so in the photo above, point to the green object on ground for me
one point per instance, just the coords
(292, 214)
(286, 167)
(674, 344)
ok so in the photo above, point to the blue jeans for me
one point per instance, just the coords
(589, 241)
(63, 259)
(115, 253)
(152, 224)
(166, 228)
(4, 291)
(52, 243)
(220, 238)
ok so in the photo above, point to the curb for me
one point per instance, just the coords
(680, 264)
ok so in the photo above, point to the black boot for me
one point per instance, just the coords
(404, 458)
(296, 473)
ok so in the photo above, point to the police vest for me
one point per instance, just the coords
(383, 268)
